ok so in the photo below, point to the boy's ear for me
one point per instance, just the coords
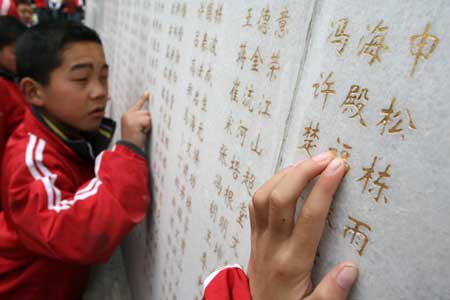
(32, 91)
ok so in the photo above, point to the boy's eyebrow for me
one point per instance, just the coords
(81, 66)
(87, 65)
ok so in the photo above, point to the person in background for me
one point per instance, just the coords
(73, 10)
(283, 248)
(12, 104)
(25, 12)
(8, 8)
(56, 9)
(42, 11)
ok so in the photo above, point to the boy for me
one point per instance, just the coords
(282, 250)
(25, 12)
(67, 201)
(12, 105)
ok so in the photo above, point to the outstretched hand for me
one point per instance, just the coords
(283, 249)
(137, 122)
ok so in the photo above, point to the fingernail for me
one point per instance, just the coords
(323, 157)
(334, 166)
(346, 277)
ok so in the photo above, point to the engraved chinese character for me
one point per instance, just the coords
(235, 168)
(218, 184)
(201, 10)
(282, 23)
(248, 98)
(192, 181)
(228, 196)
(208, 75)
(249, 181)
(242, 214)
(203, 261)
(204, 103)
(357, 235)
(208, 237)
(218, 18)
(200, 71)
(380, 185)
(213, 46)
(234, 245)
(223, 225)
(354, 102)
(213, 208)
(242, 133)
(265, 112)
(344, 151)
(189, 89)
(248, 18)
(193, 67)
(223, 155)
(422, 46)
(205, 42)
(218, 251)
(196, 39)
(256, 60)
(376, 43)
(254, 146)
(242, 55)
(235, 91)
(263, 22)
(340, 37)
(391, 116)
(200, 131)
(228, 125)
(311, 135)
(274, 66)
(326, 90)
(192, 124)
(209, 11)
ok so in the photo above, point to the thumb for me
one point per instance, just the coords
(337, 283)
(140, 103)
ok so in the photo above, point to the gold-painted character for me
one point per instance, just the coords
(357, 235)
(422, 46)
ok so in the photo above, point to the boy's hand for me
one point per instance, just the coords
(283, 249)
(137, 122)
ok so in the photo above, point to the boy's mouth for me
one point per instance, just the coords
(98, 112)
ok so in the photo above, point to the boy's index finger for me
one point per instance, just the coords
(141, 102)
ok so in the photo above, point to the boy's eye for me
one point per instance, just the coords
(81, 79)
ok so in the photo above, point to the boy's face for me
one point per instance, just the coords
(8, 58)
(25, 13)
(77, 92)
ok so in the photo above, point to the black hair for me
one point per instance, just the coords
(39, 50)
(10, 30)
(20, 2)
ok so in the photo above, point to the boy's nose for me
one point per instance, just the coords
(100, 92)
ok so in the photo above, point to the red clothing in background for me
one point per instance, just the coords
(8, 8)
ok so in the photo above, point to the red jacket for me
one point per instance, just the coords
(61, 213)
(12, 109)
(228, 283)
(8, 8)
(40, 3)
(71, 6)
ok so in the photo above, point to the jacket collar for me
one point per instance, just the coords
(89, 147)
(8, 76)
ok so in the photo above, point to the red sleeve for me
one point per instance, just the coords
(228, 283)
(16, 109)
(82, 227)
